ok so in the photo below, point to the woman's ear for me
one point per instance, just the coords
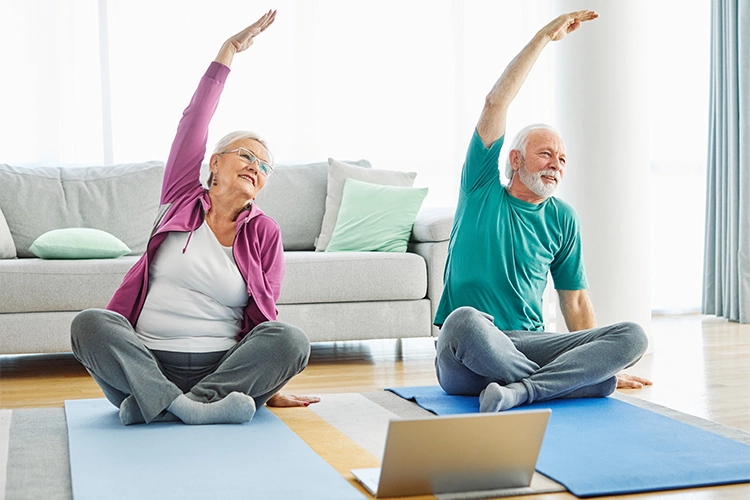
(213, 163)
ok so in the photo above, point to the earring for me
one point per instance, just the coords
(214, 181)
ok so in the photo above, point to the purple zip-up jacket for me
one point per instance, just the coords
(184, 202)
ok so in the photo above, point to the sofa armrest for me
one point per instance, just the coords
(433, 224)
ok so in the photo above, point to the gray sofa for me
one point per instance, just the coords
(331, 295)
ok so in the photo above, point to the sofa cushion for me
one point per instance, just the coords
(120, 199)
(295, 197)
(433, 224)
(7, 247)
(36, 285)
(338, 172)
(316, 277)
(375, 218)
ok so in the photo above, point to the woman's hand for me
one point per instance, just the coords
(244, 39)
(279, 400)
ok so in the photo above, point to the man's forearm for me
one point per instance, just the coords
(491, 124)
(507, 86)
(492, 121)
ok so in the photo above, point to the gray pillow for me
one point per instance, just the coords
(7, 247)
(295, 197)
(338, 172)
(122, 200)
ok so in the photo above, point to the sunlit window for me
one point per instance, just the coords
(401, 84)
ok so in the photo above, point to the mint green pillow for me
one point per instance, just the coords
(375, 218)
(78, 243)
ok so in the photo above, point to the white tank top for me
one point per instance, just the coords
(195, 299)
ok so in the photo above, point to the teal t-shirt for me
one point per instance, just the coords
(501, 248)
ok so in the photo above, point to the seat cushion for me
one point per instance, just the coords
(295, 197)
(36, 285)
(122, 200)
(316, 277)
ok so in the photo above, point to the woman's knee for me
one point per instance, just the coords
(86, 325)
(288, 340)
(93, 328)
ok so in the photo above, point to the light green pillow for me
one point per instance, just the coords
(78, 243)
(375, 218)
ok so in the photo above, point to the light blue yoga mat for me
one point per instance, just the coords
(604, 446)
(261, 459)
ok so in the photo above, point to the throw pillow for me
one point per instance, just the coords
(78, 243)
(338, 173)
(295, 197)
(375, 218)
(7, 247)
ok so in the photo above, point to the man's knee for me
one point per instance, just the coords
(635, 340)
(463, 321)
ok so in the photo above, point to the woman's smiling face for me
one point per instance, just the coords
(237, 170)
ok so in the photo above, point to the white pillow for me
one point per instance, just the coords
(338, 172)
(7, 246)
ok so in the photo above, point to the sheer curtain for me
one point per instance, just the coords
(51, 87)
(726, 273)
(399, 83)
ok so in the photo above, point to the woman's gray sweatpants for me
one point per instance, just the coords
(472, 352)
(259, 365)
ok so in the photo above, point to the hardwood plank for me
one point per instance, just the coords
(699, 366)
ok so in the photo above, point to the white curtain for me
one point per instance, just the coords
(399, 83)
(726, 272)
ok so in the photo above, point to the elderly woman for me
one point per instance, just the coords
(190, 334)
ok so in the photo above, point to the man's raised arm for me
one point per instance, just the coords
(491, 124)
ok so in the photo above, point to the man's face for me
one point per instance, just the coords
(543, 165)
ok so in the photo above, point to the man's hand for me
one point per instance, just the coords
(625, 381)
(558, 28)
(279, 400)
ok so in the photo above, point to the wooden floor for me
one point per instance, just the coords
(699, 365)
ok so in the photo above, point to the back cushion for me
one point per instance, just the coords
(295, 197)
(120, 199)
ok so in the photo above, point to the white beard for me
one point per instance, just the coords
(535, 183)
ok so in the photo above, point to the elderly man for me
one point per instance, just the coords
(505, 241)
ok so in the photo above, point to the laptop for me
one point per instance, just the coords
(458, 453)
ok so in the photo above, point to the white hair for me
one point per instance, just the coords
(520, 141)
(237, 135)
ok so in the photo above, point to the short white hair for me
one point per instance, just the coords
(237, 135)
(223, 145)
(520, 141)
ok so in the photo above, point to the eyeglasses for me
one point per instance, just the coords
(248, 157)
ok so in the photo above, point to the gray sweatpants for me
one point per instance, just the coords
(472, 352)
(259, 365)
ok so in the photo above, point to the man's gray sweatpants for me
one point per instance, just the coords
(259, 365)
(472, 352)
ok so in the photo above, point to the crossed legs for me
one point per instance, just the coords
(222, 387)
(516, 367)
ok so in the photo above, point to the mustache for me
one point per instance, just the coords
(549, 173)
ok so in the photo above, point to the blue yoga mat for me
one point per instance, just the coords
(261, 459)
(605, 446)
